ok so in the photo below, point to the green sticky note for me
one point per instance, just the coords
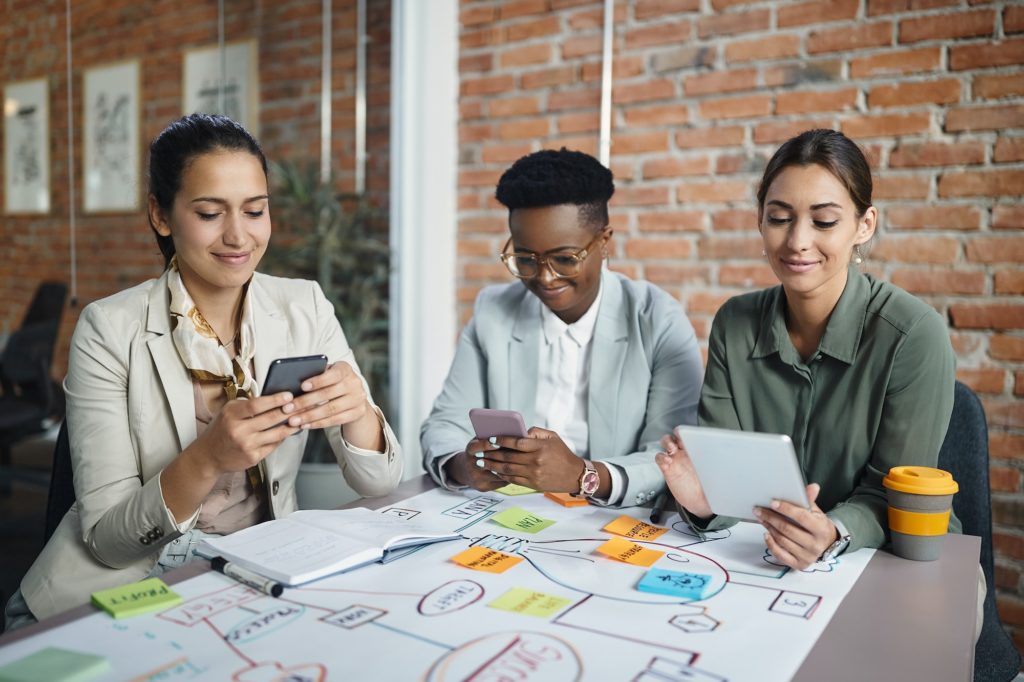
(530, 603)
(54, 665)
(144, 596)
(520, 519)
(514, 489)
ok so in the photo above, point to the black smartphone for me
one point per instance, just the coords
(287, 374)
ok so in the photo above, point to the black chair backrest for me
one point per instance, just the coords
(62, 485)
(47, 303)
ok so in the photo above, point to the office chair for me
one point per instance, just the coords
(62, 486)
(964, 454)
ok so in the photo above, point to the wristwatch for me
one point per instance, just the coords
(589, 480)
(836, 548)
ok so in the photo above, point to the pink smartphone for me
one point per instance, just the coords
(487, 423)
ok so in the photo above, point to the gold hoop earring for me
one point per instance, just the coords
(857, 257)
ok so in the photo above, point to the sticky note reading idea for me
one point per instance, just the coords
(675, 583)
(530, 603)
(517, 518)
(55, 665)
(634, 528)
(514, 489)
(483, 559)
(144, 596)
(629, 552)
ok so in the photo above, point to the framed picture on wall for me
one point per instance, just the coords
(27, 147)
(237, 96)
(111, 138)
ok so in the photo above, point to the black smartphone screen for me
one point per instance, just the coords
(287, 374)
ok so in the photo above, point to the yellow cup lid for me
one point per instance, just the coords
(920, 481)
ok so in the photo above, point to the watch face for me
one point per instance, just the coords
(591, 482)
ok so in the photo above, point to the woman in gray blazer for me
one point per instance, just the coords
(601, 365)
(170, 437)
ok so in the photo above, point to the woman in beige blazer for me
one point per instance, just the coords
(170, 438)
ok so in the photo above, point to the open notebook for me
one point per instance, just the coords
(314, 543)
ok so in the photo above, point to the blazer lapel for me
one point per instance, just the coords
(522, 359)
(174, 379)
(607, 356)
(271, 331)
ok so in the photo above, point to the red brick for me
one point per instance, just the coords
(471, 110)
(670, 221)
(727, 164)
(747, 276)
(886, 125)
(981, 183)
(987, 315)
(984, 118)
(574, 99)
(486, 86)
(504, 153)
(1005, 414)
(928, 154)
(679, 58)
(736, 107)
(726, 4)
(581, 143)
(1018, 383)
(876, 7)
(536, 28)
(1006, 347)
(939, 282)
(907, 94)
(965, 343)
(477, 247)
(996, 249)
(645, 9)
(468, 201)
(1006, 578)
(1013, 19)
(658, 248)
(761, 49)
(713, 192)
(816, 12)
(933, 217)
(1009, 281)
(640, 196)
(733, 22)
(492, 35)
(660, 33)
(623, 67)
(1008, 217)
(852, 37)
(488, 272)
(1003, 479)
(467, 294)
(896, 62)
(523, 130)
(809, 101)
(525, 55)
(1008, 149)
(475, 132)
(476, 62)
(594, 17)
(939, 250)
(734, 220)
(999, 85)
(1012, 547)
(706, 302)
(581, 46)
(579, 122)
(721, 248)
(637, 143)
(1006, 445)
(720, 81)
(674, 167)
(780, 131)
(644, 92)
(512, 106)
(547, 78)
(674, 275)
(483, 223)
(946, 26)
(479, 177)
(810, 72)
(988, 54)
(659, 114)
(727, 136)
(474, 15)
(510, 9)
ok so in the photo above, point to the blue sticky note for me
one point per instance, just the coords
(675, 583)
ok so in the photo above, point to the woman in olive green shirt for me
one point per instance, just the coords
(856, 371)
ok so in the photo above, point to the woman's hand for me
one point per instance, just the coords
(797, 536)
(541, 461)
(463, 470)
(337, 398)
(681, 478)
(244, 432)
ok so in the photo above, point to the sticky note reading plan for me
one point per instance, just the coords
(55, 665)
(675, 583)
(530, 603)
(483, 559)
(144, 596)
(629, 552)
(517, 518)
(634, 528)
(514, 489)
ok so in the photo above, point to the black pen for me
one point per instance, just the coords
(659, 506)
(246, 577)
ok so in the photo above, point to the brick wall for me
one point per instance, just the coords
(705, 91)
(115, 251)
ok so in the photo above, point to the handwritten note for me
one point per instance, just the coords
(517, 518)
(629, 552)
(514, 489)
(133, 599)
(567, 500)
(55, 665)
(530, 603)
(634, 528)
(675, 583)
(489, 560)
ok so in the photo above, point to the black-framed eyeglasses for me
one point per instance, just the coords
(563, 263)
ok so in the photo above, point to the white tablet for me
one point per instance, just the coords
(740, 470)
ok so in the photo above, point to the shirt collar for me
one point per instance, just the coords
(581, 331)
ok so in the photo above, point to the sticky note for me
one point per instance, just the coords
(567, 500)
(517, 518)
(634, 528)
(483, 559)
(514, 489)
(54, 665)
(134, 599)
(675, 583)
(530, 603)
(629, 552)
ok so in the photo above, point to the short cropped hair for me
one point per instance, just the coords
(554, 178)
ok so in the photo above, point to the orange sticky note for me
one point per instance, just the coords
(567, 500)
(634, 528)
(489, 560)
(629, 552)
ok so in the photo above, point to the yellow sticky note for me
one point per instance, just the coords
(629, 552)
(634, 528)
(567, 500)
(133, 599)
(514, 489)
(483, 559)
(530, 603)
(517, 518)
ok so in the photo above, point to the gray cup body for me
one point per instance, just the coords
(918, 547)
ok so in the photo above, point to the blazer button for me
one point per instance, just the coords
(159, 532)
(152, 534)
(144, 540)
(274, 487)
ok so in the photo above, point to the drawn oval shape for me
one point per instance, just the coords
(261, 624)
(527, 656)
(450, 597)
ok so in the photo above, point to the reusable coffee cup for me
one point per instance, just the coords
(920, 499)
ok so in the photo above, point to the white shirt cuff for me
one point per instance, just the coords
(617, 478)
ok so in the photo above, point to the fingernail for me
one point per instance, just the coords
(308, 386)
(775, 504)
(290, 407)
(295, 421)
(480, 463)
(766, 537)
(287, 397)
(493, 440)
(305, 427)
(757, 512)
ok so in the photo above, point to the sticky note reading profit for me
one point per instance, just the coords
(567, 500)
(675, 583)
(144, 596)
(514, 489)
(530, 603)
(483, 559)
(629, 552)
(520, 519)
(634, 528)
(54, 665)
